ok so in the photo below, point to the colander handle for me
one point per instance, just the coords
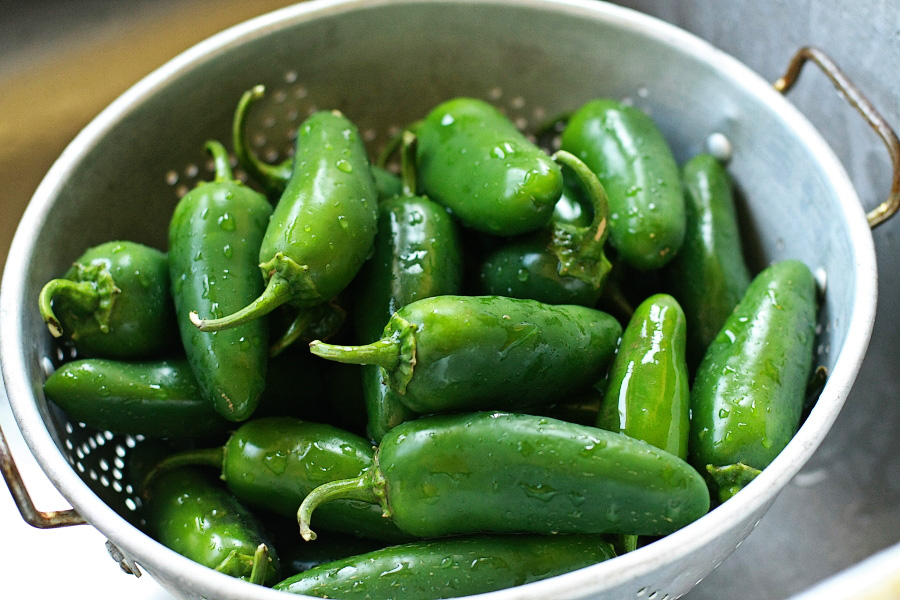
(32, 516)
(864, 107)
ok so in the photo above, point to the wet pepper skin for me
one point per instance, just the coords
(709, 275)
(748, 392)
(214, 237)
(452, 353)
(154, 399)
(648, 395)
(474, 161)
(194, 516)
(633, 161)
(113, 302)
(450, 568)
(508, 473)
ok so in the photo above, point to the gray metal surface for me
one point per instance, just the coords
(793, 564)
(845, 504)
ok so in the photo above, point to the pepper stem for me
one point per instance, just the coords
(580, 250)
(83, 295)
(221, 161)
(209, 457)
(260, 565)
(384, 352)
(273, 178)
(358, 488)
(408, 164)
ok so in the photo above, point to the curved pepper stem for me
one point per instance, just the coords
(362, 488)
(81, 294)
(580, 250)
(209, 457)
(320, 321)
(384, 353)
(273, 178)
(221, 161)
(259, 572)
(286, 281)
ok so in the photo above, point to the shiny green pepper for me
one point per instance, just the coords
(709, 275)
(194, 516)
(474, 161)
(273, 463)
(648, 395)
(214, 237)
(453, 353)
(450, 568)
(154, 399)
(508, 473)
(417, 255)
(749, 390)
(629, 154)
(113, 302)
(323, 227)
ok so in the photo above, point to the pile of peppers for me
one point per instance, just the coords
(498, 361)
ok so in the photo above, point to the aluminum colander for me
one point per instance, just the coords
(385, 64)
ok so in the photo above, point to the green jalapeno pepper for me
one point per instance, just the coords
(274, 178)
(709, 275)
(452, 353)
(113, 302)
(417, 255)
(450, 568)
(214, 236)
(474, 161)
(629, 154)
(749, 390)
(194, 516)
(273, 463)
(507, 473)
(154, 399)
(565, 264)
(323, 227)
(648, 395)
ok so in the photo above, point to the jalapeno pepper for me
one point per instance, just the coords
(274, 178)
(630, 155)
(648, 396)
(214, 236)
(452, 353)
(113, 302)
(273, 463)
(417, 255)
(474, 161)
(709, 275)
(450, 568)
(566, 264)
(154, 399)
(194, 516)
(506, 473)
(323, 227)
(749, 390)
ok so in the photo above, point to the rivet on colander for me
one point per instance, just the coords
(127, 565)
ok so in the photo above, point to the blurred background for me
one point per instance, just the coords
(62, 62)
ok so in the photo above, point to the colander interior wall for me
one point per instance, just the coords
(384, 65)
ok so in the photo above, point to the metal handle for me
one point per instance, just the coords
(857, 100)
(32, 516)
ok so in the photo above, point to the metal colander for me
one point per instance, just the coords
(385, 64)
